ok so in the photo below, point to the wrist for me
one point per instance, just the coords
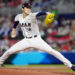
(48, 13)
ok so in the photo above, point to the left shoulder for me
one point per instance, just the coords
(33, 13)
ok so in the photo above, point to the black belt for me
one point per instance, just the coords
(31, 36)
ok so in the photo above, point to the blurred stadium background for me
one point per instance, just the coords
(60, 34)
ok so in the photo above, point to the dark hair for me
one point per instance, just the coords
(27, 5)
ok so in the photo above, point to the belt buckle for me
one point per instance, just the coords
(28, 37)
(31, 36)
(35, 35)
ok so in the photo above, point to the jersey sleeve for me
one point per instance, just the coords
(16, 18)
(35, 13)
(40, 13)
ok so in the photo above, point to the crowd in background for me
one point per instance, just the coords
(10, 3)
(59, 34)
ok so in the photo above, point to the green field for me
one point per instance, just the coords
(37, 65)
(42, 65)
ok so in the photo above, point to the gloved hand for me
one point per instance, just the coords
(49, 19)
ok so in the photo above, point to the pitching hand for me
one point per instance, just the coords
(13, 33)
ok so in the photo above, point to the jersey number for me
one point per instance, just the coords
(28, 29)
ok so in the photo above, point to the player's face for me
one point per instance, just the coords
(26, 10)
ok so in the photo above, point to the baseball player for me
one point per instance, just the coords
(32, 39)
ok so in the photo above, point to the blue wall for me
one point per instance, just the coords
(67, 16)
(26, 58)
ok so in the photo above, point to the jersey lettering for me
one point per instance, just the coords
(27, 26)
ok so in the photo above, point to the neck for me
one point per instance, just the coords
(24, 15)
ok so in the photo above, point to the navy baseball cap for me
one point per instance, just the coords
(27, 5)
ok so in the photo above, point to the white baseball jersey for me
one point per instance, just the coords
(30, 28)
(28, 24)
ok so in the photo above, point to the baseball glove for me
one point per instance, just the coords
(49, 19)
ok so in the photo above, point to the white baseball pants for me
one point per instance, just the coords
(36, 42)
